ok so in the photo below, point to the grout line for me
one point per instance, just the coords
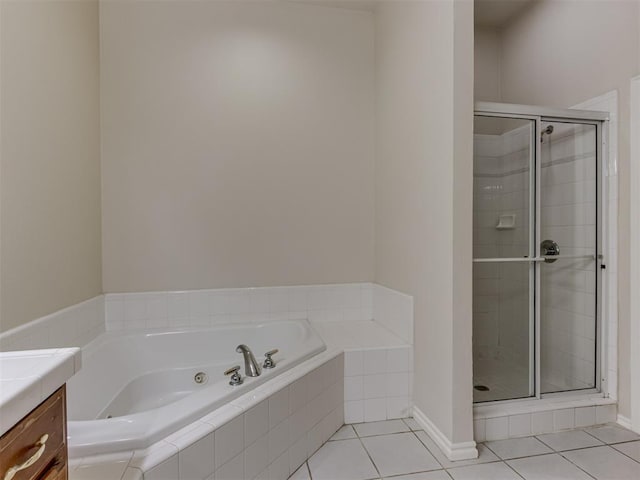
(383, 434)
(509, 466)
(308, 469)
(396, 475)
(369, 455)
(524, 456)
(602, 444)
(575, 465)
(425, 446)
(609, 444)
(399, 474)
(489, 448)
(545, 444)
(590, 434)
(637, 461)
(379, 434)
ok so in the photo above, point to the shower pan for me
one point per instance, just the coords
(537, 247)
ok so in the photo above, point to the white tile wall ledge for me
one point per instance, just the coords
(353, 305)
(74, 326)
(27, 378)
(318, 303)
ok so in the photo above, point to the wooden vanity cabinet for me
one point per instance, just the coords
(35, 448)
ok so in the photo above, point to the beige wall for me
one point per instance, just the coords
(486, 64)
(237, 144)
(462, 211)
(418, 123)
(560, 53)
(49, 158)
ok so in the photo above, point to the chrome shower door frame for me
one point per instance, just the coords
(537, 115)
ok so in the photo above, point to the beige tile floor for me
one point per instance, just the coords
(400, 450)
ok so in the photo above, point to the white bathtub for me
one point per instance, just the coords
(144, 380)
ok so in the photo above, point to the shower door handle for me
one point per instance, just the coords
(549, 248)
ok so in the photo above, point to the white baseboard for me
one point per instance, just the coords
(453, 451)
(624, 422)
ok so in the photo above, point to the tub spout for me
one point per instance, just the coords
(251, 367)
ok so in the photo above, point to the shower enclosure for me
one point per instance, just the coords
(537, 247)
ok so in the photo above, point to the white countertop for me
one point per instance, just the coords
(30, 376)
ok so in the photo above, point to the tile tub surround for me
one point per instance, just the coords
(377, 384)
(342, 314)
(318, 303)
(394, 310)
(349, 303)
(378, 369)
(378, 388)
(74, 326)
(267, 433)
(29, 377)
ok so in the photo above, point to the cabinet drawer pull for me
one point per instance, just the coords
(33, 459)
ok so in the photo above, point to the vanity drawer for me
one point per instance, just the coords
(40, 436)
(57, 469)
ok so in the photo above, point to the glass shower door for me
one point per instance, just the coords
(537, 252)
(568, 231)
(503, 248)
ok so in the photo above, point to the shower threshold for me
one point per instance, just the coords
(556, 412)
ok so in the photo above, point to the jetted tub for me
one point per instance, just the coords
(137, 387)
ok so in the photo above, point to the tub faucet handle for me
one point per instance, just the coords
(236, 378)
(268, 361)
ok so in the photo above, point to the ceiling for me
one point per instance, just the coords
(496, 13)
(367, 5)
(487, 13)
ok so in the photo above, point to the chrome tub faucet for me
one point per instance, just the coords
(251, 367)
